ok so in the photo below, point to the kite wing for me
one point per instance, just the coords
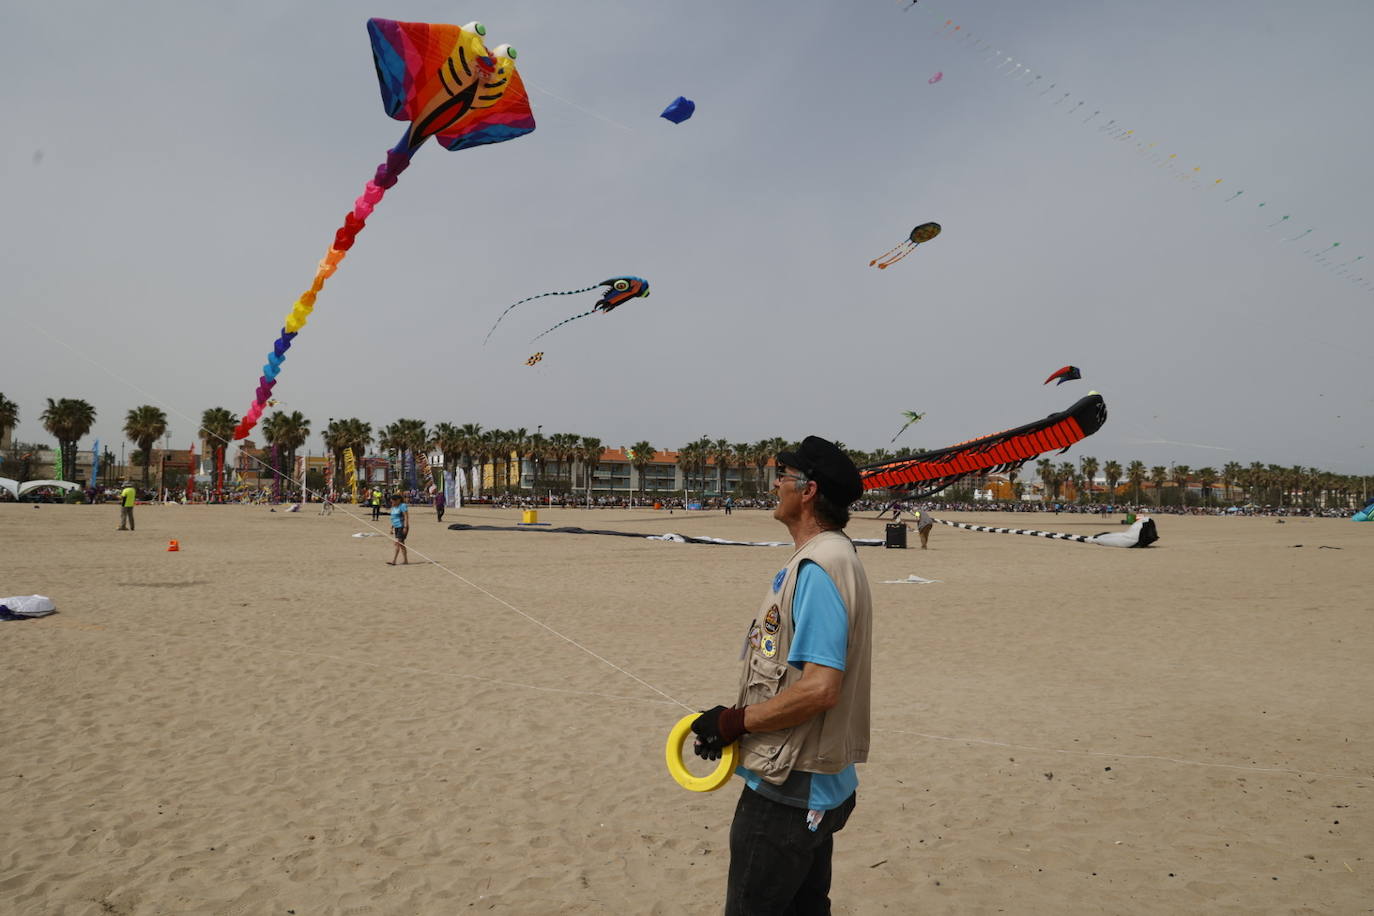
(443, 80)
(679, 110)
(1066, 374)
(930, 472)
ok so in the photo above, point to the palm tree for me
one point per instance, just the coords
(9, 419)
(349, 433)
(766, 449)
(1067, 474)
(514, 445)
(1112, 471)
(1230, 473)
(1206, 477)
(742, 458)
(721, 454)
(1089, 466)
(1255, 479)
(68, 419)
(1180, 475)
(1293, 479)
(590, 454)
(145, 425)
(1135, 473)
(471, 434)
(534, 448)
(562, 449)
(641, 454)
(691, 458)
(404, 435)
(217, 425)
(448, 439)
(1044, 469)
(1158, 474)
(288, 432)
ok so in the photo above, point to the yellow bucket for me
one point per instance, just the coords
(531, 517)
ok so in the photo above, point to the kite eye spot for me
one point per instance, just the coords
(621, 285)
(477, 27)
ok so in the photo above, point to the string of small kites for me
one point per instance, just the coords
(1329, 257)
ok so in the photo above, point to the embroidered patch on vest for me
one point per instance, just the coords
(769, 646)
(755, 636)
(780, 578)
(771, 620)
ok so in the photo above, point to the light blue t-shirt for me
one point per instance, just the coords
(820, 635)
(398, 515)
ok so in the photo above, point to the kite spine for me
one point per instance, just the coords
(397, 159)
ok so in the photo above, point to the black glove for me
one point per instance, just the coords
(716, 729)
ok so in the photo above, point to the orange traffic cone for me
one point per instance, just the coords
(173, 546)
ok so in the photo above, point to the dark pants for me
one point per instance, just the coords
(376, 512)
(440, 511)
(126, 517)
(777, 864)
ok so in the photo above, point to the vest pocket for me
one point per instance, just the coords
(765, 678)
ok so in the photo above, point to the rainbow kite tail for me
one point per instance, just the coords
(397, 160)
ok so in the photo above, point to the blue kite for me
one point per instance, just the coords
(680, 110)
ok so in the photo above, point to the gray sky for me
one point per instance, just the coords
(174, 170)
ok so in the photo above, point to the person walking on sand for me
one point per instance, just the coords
(127, 496)
(802, 712)
(400, 527)
(439, 503)
(376, 503)
(924, 522)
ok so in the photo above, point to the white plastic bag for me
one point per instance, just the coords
(29, 605)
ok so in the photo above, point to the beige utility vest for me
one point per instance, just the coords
(839, 736)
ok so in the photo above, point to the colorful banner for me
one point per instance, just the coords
(452, 490)
(57, 470)
(95, 464)
(427, 472)
(191, 471)
(351, 472)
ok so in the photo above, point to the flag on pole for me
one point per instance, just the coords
(351, 472)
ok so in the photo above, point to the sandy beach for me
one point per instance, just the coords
(272, 720)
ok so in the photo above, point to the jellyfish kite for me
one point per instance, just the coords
(1067, 374)
(922, 233)
(444, 81)
(679, 110)
(622, 290)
